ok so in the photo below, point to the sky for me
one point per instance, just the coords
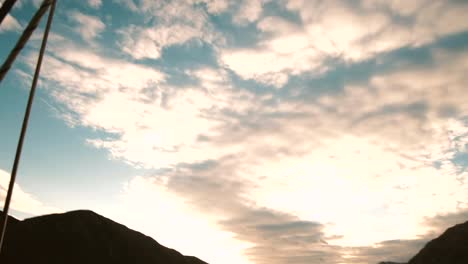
(248, 131)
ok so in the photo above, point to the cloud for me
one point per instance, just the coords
(10, 24)
(439, 223)
(95, 3)
(140, 42)
(282, 238)
(86, 78)
(393, 250)
(338, 30)
(179, 22)
(23, 201)
(130, 4)
(298, 176)
(402, 250)
(249, 11)
(137, 104)
(89, 27)
(338, 165)
(352, 143)
(215, 6)
(272, 236)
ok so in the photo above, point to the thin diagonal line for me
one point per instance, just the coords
(25, 124)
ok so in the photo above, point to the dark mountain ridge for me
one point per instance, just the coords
(449, 248)
(82, 237)
(86, 237)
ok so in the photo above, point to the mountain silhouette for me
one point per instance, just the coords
(82, 237)
(449, 248)
(86, 237)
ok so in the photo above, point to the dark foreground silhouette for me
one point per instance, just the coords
(82, 237)
(85, 237)
(449, 248)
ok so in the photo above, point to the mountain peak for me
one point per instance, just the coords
(450, 247)
(83, 236)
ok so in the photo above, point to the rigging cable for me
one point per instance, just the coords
(6, 7)
(26, 120)
(24, 37)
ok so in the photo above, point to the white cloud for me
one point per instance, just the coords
(349, 143)
(95, 3)
(273, 65)
(215, 6)
(130, 4)
(249, 11)
(23, 201)
(98, 76)
(361, 159)
(364, 159)
(156, 124)
(355, 158)
(358, 160)
(143, 43)
(178, 22)
(335, 29)
(10, 24)
(89, 27)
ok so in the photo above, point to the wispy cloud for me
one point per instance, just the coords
(340, 30)
(95, 3)
(140, 42)
(89, 27)
(10, 24)
(249, 11)
(178, 22)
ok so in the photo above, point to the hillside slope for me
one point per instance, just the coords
(450, 247)
(83, 237)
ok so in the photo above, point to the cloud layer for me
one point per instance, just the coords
(367, 132)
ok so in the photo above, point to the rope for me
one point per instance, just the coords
(25, 123)
(24, 37)
(6, 7)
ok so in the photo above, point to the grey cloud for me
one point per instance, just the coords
(393, 250)
(403, 250)
(277, 237)
(281, 238)
(411, 97)
(214, 186)
(417, 110)
(179, 22)
(379, 109)
(291, 127)
(439, 223)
